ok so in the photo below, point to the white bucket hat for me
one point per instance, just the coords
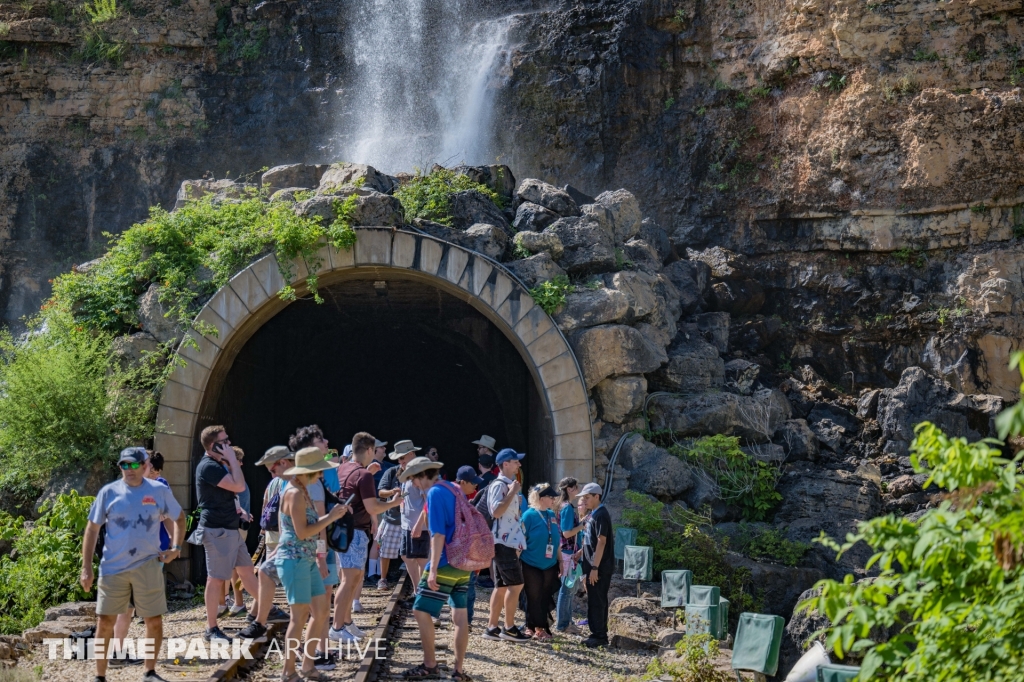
(485, 441)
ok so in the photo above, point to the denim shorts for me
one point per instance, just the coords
(301, 580)
(333, 577)
(358, 550)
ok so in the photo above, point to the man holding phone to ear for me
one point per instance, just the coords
(218, 479)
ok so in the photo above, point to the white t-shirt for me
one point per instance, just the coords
(508, 528)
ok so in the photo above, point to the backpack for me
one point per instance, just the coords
(268, 518)
(340, 532)
(481, 503)
(472, 545)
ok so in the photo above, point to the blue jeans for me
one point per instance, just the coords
(563, 608)
(470, 597)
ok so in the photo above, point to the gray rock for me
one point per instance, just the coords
(769, 453)
(600, 216)
(691, 294)
(704, 493)
(292, 175)
(668, 638)
(755, 418)
(152, 316)
(660, 474)
(535, 269)
(339, 176)
(614, 349)
(830, 434)
(903, 485)
(84, 268)
(495, 177)
(535, 242)
(780, 585)
(867, 404)
(548, 196)
(221, 190)
(76, 609)
(470, 208)
(642, 255)
(740, 375)
(634, 622)
(799, 634)
(624, 211)
(715, 329)
(287, 194)
(693, 365)
(131, 349)
(724, 264)
(620, 396)
(657, 237)
(322, 206)
(531, 217)
(588, 248)
(591, 308)
(837, 414)
(87, 481)
(638, 288)
(737, 296)
(489, 240)
(797, 439)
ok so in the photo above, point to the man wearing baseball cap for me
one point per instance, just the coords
(485, 448)
(598, 563)
(131, 568)
(503, 502)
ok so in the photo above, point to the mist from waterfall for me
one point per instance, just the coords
(421, 84)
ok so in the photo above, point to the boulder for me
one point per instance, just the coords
(769, 453)
(221, 190)
(740, 375)
(657, 237)
(86, 480)
(724, 264)
(715, 329)
(799, 634)
(754, 335)
(339, 176)
(642, 255)
(738, 296)
(620, 396)
(292, 175)
(287, 194)
(816, 499)
(489, 240)
(615, 349)
(830, 434)
(624, 212)
(77, 609)
(531, 217)
(638, 289)
(591, 308)
(903, 485)
(653, 470)
(372, 208)
(535, 269)
(152, 316)
(495, 177)
(920, 397)
(692, 278)
(634, 622)
(133, 348)
(587, 248)
(837, 414)
(600, 216)
(60, 628)
(693, 365)
(755, 417)
(548, 196)
(798, 441)
(781, 586)
(867, 404)
(535, 242)
(471, 207)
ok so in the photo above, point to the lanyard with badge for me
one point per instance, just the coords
(549, 552)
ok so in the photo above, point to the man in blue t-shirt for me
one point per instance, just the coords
(132, 565)
(441, 582)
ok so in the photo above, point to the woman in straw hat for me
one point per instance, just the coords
(296, 556)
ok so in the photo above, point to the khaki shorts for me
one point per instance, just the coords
(143, 585)
(225, 551)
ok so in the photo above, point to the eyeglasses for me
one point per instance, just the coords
(223, 441)
(125, 466)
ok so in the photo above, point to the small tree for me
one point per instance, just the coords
(951, 584)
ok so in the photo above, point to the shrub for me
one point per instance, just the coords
(697, 662)
(768, 544)
(429, 196)
(740, 478)
(100, 11)
(550, 295)
(951, 584)
(44, 567)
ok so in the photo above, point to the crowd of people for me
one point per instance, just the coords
(379, 508)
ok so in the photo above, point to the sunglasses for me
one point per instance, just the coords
(125, 466)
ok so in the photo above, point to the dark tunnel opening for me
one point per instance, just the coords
(398, 358)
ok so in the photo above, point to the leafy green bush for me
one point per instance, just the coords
(680, 543)
(44, 567)
(697, 662)
(768, 544)
(65, 402)
(951, 584)
(741, 479)
(430, 196)
(550, 295)
(100, 11)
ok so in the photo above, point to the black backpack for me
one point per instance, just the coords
(340, 532)
(481, 503)
(268, 518)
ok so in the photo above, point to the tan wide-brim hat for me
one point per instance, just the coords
(402, 447)
(275, 454)
(309, 461)
(417, 466)
(486, 441)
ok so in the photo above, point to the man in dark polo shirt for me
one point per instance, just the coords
(598, 554)
(218, 480)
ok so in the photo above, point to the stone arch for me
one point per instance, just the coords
(250, 299)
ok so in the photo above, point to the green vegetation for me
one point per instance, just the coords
(237, 42)
(99, 47)
(923, 56)
(44, 566)
(951, 584)
(550, 295)
(430, 196)
(768, 544)
(100, 11)
(696, 663)
(912, 257)
(518, 252)
(740, 478)
(681, 17)
(669, 102)
(680, 541)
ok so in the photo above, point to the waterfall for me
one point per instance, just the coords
(421, 82)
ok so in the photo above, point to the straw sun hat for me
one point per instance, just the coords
(309, 461)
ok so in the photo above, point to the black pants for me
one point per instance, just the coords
(540, 585)
(597, 604)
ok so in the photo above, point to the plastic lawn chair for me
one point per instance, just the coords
(837, 673)
(675, 588)
(700, 619)
(757, 645)
(638, 563)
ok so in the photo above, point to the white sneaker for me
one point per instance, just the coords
(235, 610)
(354, 630)
(341, 635)
(382, 584)
(356, 606)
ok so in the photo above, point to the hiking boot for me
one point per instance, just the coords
(215, 633)
(492, 633)
(513, 634)
(252, 631)
(278, 615)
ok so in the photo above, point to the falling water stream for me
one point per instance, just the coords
(422, 82)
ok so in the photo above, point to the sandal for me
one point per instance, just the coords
(313, 675)
(460, 676)
(294, 677)
(421, 672)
